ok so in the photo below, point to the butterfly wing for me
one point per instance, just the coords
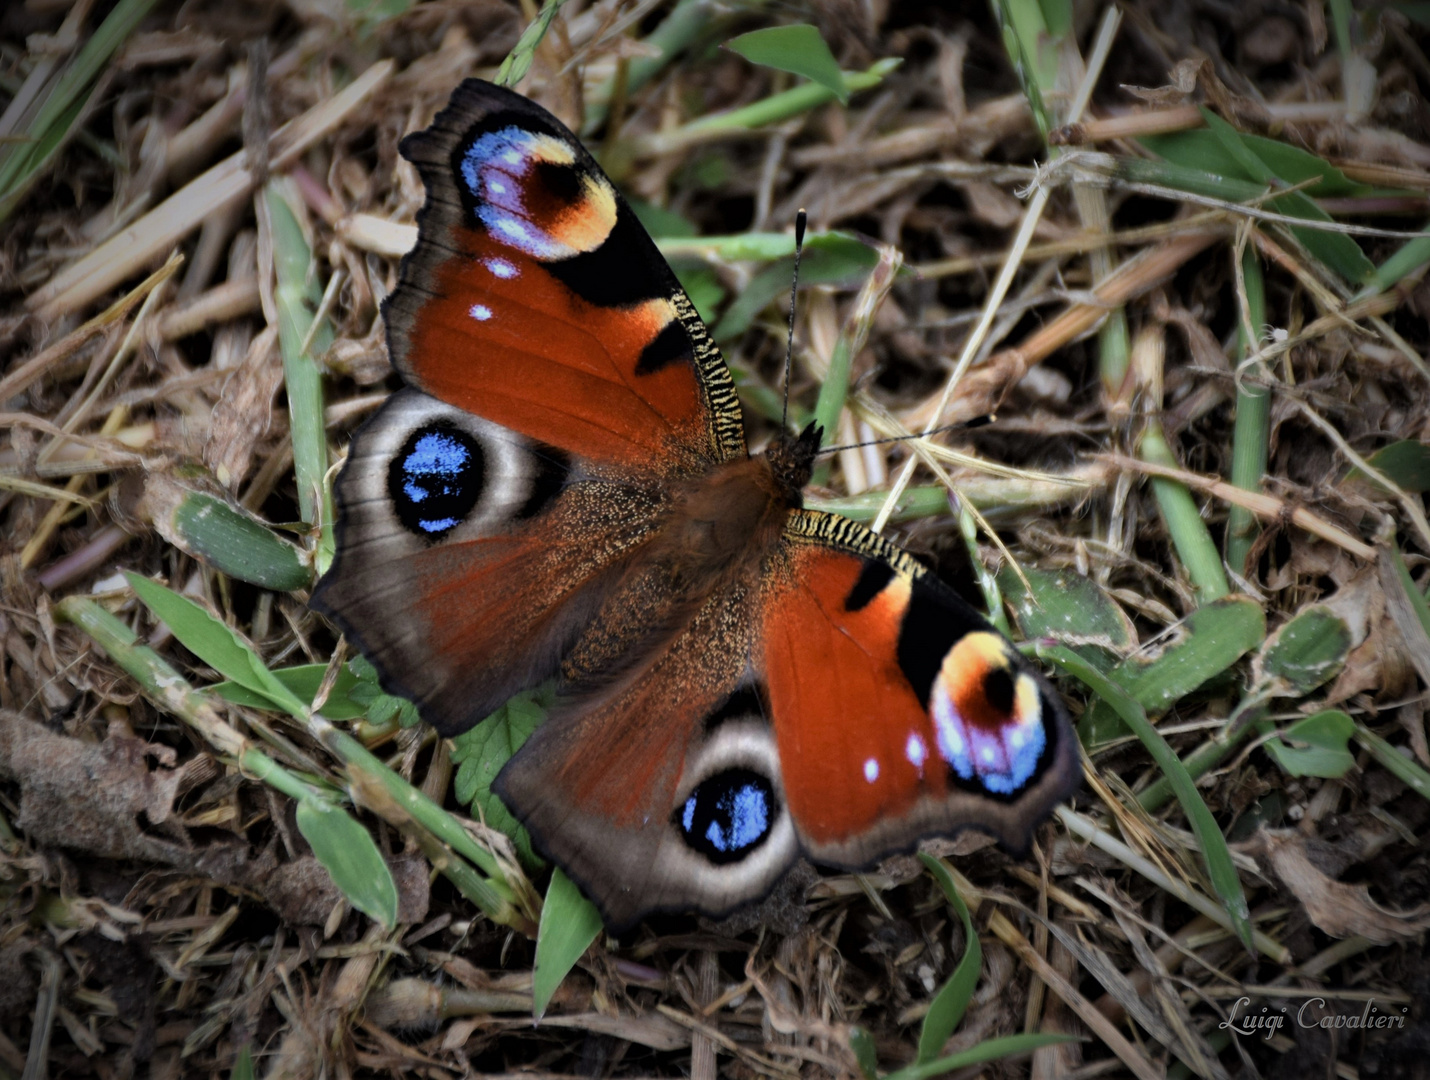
(884, 686)
(536, 300)
(664, 792)
(558, 380)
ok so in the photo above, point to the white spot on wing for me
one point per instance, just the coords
(916, 751)
(501, 268)
(871, 770)
(480, 312)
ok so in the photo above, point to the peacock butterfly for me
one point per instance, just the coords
(562, 490)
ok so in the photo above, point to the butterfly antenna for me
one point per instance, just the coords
(800, 220)
(976, 422)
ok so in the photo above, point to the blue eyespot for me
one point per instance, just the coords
(728, 815)
(436, 479)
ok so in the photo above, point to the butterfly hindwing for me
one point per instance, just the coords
(663, 792)
(886, 687)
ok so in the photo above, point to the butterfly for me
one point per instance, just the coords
(562, 490)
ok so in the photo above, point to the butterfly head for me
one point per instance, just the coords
(792, 459)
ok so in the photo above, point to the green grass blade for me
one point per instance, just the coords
(1419, 605)
(1409, 258)
(22, 163)
(1005, 1046)
(770, 110)
(1184, 522)
(852, 336)
(243, 1064)
(339, 841)
(297, 295)
(1220, 868)
(1214, 637)
(914, 502)
(1251, 436)
(304, 681)
(688, 22)
(1404, 769)
(569, 923)
(951, 1002)
(215, 644)
(32, 161)
(841, 264)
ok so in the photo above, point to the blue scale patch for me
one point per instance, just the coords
(495, 170)
(728, 815)
(436, 479)
(1001, 760)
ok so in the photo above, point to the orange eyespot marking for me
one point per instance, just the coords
(585, 224)
(966, 672)
(987, 715)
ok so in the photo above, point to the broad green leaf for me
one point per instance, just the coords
(348, 853)
(1222, 871)
(1214, 637)
(797, 49)
(214, 643)
(1067, 606)
(480, 754)
(1325, 736)
(378, 706)
(236, 543)
(1223, 153)
(1308, 651)
(951, 1002)
(1419, 603)
(569, 923)
(1406, 464)
(862, 1043)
